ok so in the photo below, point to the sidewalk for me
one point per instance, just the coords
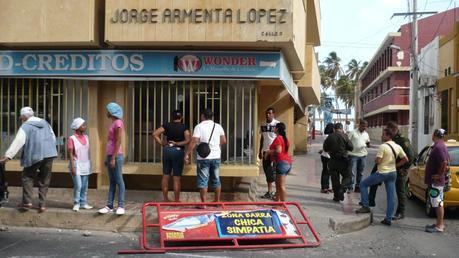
(303, 186)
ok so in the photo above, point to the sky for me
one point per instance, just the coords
(355, 28)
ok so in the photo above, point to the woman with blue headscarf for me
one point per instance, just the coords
(114, 159)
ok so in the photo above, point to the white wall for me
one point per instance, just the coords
(429, 69)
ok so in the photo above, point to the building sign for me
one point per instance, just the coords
(107, 63)
(189, 225)
(215, 15)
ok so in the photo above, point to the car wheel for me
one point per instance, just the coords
(428, 207)
(408, 192)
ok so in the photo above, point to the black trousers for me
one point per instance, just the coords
(400, 188)
(340, 176)
(325, 177)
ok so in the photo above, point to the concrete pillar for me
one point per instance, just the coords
(277, 97)
(301, 135)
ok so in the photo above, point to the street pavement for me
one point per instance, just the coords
(405, 238)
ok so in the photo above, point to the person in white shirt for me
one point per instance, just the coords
(267, 137)
(208, 166)
(361, 141)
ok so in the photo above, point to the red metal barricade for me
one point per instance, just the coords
(204, 242)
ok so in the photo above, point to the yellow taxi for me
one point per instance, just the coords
(415, 186)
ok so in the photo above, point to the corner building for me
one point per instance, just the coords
(70, 58)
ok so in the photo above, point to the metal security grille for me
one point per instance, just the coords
(233, 104)
(57, 101)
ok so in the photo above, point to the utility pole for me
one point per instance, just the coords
(414, 112)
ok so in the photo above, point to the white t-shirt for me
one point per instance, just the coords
(267, 130)
(203, 131)
(359, 141)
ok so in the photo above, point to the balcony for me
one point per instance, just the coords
(392, 100)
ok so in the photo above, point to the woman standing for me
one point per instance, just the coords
(114, 159)
(278, 152)
(177, 136)
(80, 163)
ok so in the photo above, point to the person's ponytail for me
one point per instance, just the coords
(281, 131)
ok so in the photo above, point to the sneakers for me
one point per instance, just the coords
(398, 216)
(86, 207)
(363, 210)
(325, 191)
(386, 222)
(105, 210)
(268, 195)
(120, 211)
(76, 207)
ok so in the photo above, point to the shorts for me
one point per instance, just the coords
(283, 168)
(173, 161)
(436, 196)
(208, 168)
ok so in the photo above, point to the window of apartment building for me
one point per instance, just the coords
(56, 101)
(233, 103)
(444, 110)
(427, 104)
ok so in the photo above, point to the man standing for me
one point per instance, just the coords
(436, 167)
(39, 142)
(402, 172)
(337, 145)
(266, 139)
(357, 157)
(211, 133)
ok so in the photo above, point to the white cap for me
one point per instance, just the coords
(77, 122)
(26, 111)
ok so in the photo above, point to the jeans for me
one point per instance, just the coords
(400, 189)
(339, 168)
(208, 168)
(44, 179)
(80, 189)
(116, 179)
(357, 167)
(389, 182)
(325, 177)
(283, 168)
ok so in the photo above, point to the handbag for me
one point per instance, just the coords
(203, 148)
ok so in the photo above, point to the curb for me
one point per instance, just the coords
(68, 219)
(351, 225)
(338, 225)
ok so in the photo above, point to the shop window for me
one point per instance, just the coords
(56, 101)
(233, 104)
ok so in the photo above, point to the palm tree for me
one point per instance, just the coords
(332, 63)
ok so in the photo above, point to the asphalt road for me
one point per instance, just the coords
(405, 238)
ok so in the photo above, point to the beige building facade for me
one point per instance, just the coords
(71, 58)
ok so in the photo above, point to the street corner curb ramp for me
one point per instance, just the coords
(223, 226)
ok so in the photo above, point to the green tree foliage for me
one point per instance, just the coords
(343, 82)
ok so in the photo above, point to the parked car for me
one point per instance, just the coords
(415, 183)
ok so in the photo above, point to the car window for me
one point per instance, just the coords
(423, 155)
(454, 156)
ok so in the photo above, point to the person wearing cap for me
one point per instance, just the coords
(114, 159)
(436, 167)
(38, 143)
(177, 137)
(80, 163)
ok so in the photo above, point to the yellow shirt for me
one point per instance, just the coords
(386, 154)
